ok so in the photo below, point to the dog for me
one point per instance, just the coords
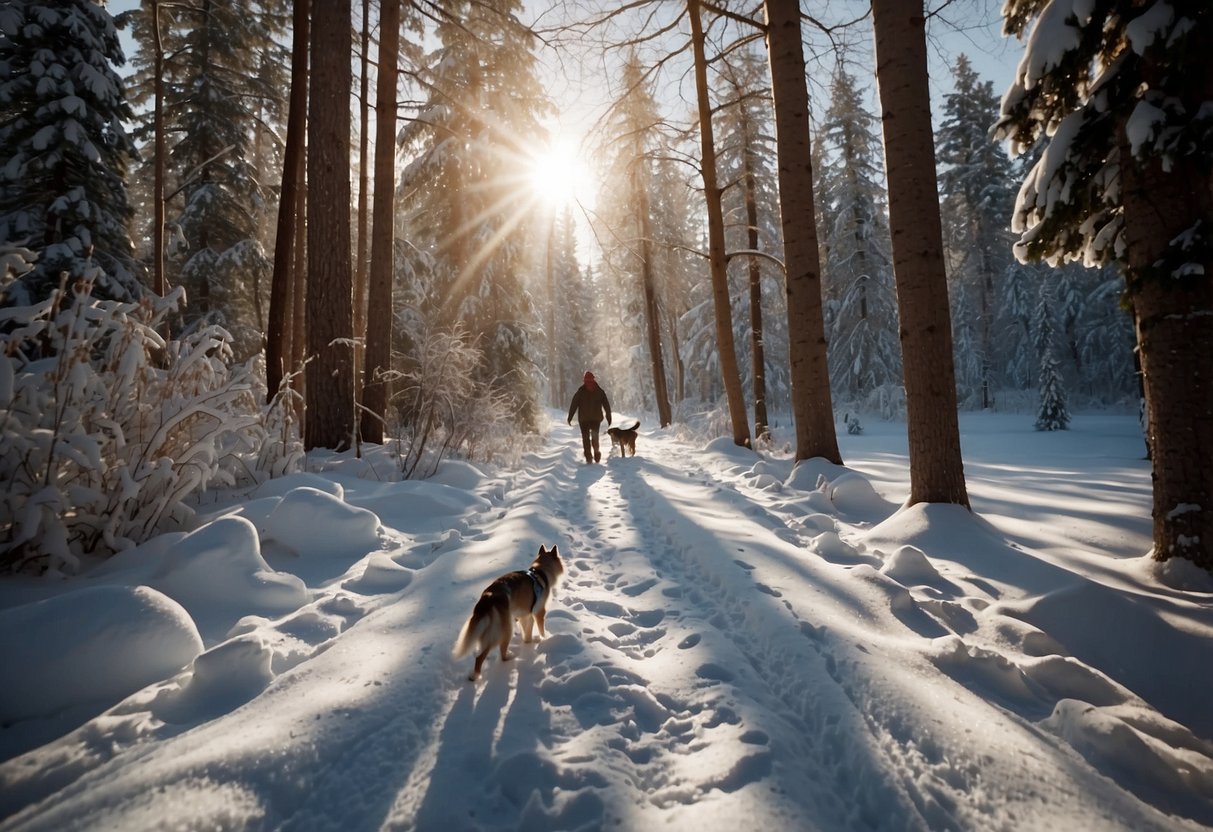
(624, 438)
(520, 595)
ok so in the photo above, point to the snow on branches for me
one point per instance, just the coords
(107, 428)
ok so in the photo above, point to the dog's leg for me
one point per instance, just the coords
(539, 616)
(475, 674)
(528, 623)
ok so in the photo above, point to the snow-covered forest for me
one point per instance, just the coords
(241, 239)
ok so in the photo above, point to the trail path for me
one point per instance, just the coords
(706, 667)
(730, 647)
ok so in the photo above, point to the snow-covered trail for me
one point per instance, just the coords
(730, 646)
(706, 665)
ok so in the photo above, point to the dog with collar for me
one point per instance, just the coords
(624, 438)
(515, 595)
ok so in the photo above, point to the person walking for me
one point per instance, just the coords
(591, 405)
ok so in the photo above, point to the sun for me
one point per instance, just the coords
(558, 176)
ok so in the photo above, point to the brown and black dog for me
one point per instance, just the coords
(521, 595)
(625, 438)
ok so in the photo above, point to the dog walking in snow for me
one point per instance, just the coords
(625, 438)
(521, 595)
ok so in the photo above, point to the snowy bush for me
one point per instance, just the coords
(442, 408)
(106, 427)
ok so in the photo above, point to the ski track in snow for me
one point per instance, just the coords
(678, 685)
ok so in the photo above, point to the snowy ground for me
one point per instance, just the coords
(734, 643)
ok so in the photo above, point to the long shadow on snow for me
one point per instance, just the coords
(492, 763)
(796, 666)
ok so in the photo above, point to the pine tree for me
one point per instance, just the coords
(975, 186)
(223, 76)
(1053, 414)
(66, 153)
(1121, 95)
(463, 186)
(634, 227)
(858, 277)
(751, 205)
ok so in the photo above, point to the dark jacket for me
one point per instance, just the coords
(590, 405)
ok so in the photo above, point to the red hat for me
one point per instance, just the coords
(588, 376)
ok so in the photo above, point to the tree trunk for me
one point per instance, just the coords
(652, 315)
(812, 406)
(277, 349)
(725, 346)
(554, 397)
(330, 388)
(298, 288)
(1174, 322)
(360, 259)
(377, 390)
(159, 157)
(757, 351)
(936, 469)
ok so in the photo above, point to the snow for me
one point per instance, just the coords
(737, 641)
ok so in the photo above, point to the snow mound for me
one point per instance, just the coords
(819, 522)
(314, 523)
(219, 568)
(1159, 760)
(1177, 573)
(809, 474)
(93, 646)
(458, 474)
(381, 575)
(908, 565)
(1103, 627)
(766, 482)
(725, 446)
(987, 671)
(834, 549)
(852, 494)
(281, 486)
(223, 678)
(418, 505)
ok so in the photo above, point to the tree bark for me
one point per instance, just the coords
(377, 390)
(652, 315)
(330, 323)
(360, 258)
(757, 350)
(1173, 318)
(160, 157)
(936, 468)
(277, 344)
(812, 404)
(717, 263)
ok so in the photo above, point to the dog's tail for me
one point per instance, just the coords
(471, 637)
(633, 427)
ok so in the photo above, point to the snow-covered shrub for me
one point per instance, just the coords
(106, 427)
(442, 408)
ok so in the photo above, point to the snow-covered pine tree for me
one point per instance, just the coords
(1120, 92)
(747, 163)
(224, 80)
(975, 187)
(468, 148)
(65, 150)
(628, 212)
(858, 281)
(1053, 414)
(575, 307)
